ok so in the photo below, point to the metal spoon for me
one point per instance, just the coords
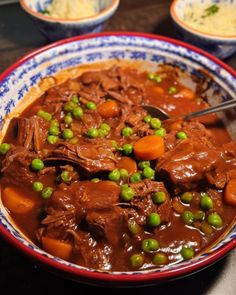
(162, 115)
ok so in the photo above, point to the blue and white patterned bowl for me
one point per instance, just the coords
(220, 46)
(148, 51)
(56, 29)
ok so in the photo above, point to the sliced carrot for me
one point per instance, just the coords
(149, 147)
(186, 93)
(109, 109)
(158, 90)
(15, 202)
(127, 163)
(57, 248)
(230, 192)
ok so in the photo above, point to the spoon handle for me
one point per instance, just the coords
(220, 107)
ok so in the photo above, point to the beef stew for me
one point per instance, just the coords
(88, 175)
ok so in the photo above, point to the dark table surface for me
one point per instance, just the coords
(18, 35)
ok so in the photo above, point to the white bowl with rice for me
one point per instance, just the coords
(208, 24)
(58, 19)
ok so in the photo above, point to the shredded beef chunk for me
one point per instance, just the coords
(108, 186)
(70, 205)
(32, 132)
(144, 204)
(187, 164)
(90, 156)
(16, 167)
(191, 162)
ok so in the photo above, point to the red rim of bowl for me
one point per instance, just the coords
(107, 277)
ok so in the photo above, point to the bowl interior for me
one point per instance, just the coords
(182, 4)
(41, 5)
(144, 52)
(178, 13)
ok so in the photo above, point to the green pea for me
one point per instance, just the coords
(127, 131)
(74, 140)
(172, 90)
(45, 115)
(102, 133)
(124, 186)
(4, 148)
(75, 99)
(199, 215)
(186, 197)
(114, 175)
(68, 119)
(151, 76)
(37, 164)
(155, 123)
(133, 227)
(54, 130)
(181, 135)
(127, 149)
(136, 260)
(115, 145)
(47, 192)
(206, 203)
(147, 119)
(187, 217)
(37, 186)
(95, 180)
(92, 132)
(124, 174)
(91, 105)
(153, 219)
(160, 259)
(65, 176)
(150, 245)
(67, 133)
(160, 132)
(215, 220)
(69, 106)
(127, 194)
(52, 139)
(187, 252)
(158, 78)
(159, 197)
(206, 228)
(105, 126)
(148, 172)
(136, 177)
(54, 123)
(143, 164)
(78, 113)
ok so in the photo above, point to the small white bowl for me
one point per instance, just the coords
(59, 28)
(217, 45)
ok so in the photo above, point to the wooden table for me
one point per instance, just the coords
(18, 35)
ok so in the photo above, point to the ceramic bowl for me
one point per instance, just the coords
(148, 51)
(59, 28)
(219, 46)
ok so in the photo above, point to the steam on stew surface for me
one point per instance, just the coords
(91, 177)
